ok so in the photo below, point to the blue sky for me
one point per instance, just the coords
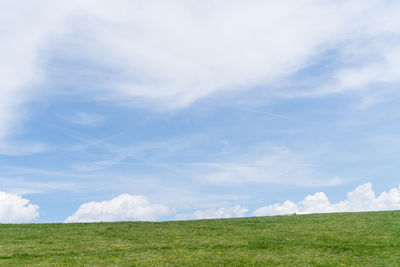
(158, 110)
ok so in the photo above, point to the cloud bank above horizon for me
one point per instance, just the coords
(126, 207)
(137, 208)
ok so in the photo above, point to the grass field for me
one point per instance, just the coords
(344, 239)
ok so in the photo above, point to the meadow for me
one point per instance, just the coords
(342, 239)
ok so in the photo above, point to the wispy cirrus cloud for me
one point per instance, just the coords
(22, 148)
(26, 28)
(191, 50)
(272, 165)
(86, 119)
(22, 185)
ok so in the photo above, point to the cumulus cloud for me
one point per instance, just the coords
(236, 211)
(15, 209)
(361, 199)
(122, 208)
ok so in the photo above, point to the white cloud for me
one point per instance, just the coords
(277, 165)
(15, 209)
(174, 53)
(236, 211)
(361, 199)
(170, 54)
(383, 69)
(25, 28)
(177, 52)
(122, 208)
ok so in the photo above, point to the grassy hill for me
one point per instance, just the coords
(343, 239)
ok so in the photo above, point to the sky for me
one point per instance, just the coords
(173, 110)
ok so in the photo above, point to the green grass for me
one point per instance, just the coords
(343, 239)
